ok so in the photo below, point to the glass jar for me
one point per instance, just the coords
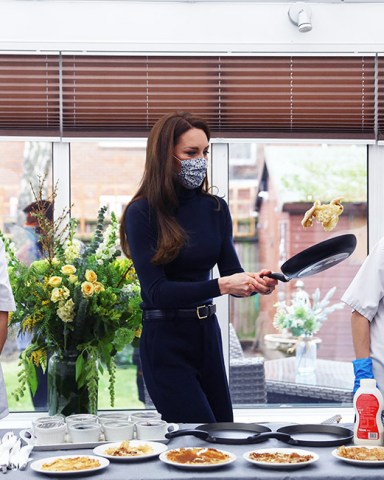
(306, 354)
(64, 394)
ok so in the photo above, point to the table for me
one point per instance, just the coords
(327, 467)
(332, 382)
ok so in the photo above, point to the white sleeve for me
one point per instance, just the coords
(367, 288)
(7, 302)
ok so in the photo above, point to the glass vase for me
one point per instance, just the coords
(64, 395)
(306, 354)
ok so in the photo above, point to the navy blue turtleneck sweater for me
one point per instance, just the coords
(185, 282)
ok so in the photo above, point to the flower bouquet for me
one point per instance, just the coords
(303, 316)
(80, 303)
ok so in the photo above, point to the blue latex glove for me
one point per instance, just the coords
(363, 369)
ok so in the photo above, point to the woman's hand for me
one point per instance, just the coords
(245, 284)
(266, 285)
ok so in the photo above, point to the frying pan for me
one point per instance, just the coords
(225, 432)
(317, 258)
(310, 435)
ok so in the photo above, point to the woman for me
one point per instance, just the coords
(176, 232)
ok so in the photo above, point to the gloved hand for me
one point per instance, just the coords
(363, 369)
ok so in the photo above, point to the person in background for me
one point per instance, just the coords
(175, 231)
(7, 304)
(365, 295)
(31, 250)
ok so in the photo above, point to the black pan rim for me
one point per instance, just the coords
(336, 430)
(326, 249)
(233, 426)
(343, 435)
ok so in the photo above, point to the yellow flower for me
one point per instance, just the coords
(91, 276)
(39, 357)
(88, 289)
(54, 281)
(99, 287)
(59, 294)
(130, 276)
(68, 270)
(138, 332)
(26, 324)
(72, 278)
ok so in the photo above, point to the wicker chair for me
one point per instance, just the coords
(246, 376)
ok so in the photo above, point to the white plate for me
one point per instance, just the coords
(37, 465)
(281, 466)
(362, 463)
(157, 448)
(164, 458)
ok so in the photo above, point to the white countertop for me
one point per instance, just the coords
(258, 415)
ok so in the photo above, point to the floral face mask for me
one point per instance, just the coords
(192, 172)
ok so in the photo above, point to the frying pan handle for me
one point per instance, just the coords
(179, 433)
(277, 276)
(260, 437)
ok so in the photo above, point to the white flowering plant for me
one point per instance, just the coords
(304, 315)
(78, 298)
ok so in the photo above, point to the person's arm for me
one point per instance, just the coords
(362, 366)
(3, 329)
(360, 335)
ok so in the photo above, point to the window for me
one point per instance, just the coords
(21, 166)
(108, 174)
(271, 197)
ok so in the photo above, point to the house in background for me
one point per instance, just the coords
(280, 210)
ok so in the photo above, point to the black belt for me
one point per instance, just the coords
(201, 312)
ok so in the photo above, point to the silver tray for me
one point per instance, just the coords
(27, 436)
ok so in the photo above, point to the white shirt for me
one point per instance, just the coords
(7, 302)
(366, 295)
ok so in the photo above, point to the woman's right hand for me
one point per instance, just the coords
(241, 284)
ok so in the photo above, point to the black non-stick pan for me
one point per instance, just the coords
(314, 435)
(225, 432)
(317, 258)
(247, 433)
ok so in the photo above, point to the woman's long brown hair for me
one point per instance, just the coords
(159, 184)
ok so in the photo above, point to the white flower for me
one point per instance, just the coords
(303, 316)
(72, 250)
(59, 294)
(107, 248)
(67, 311)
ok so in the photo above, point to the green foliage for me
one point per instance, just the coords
(79, 298)
(327, 180)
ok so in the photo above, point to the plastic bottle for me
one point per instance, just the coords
(368, 404)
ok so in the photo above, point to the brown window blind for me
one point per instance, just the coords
(247, 96)
(29, 95)
(380, 103)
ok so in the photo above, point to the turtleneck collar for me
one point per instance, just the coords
(185, 194)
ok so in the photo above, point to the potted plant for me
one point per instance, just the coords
(302, 317)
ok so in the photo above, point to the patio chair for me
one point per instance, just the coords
(246, 374)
